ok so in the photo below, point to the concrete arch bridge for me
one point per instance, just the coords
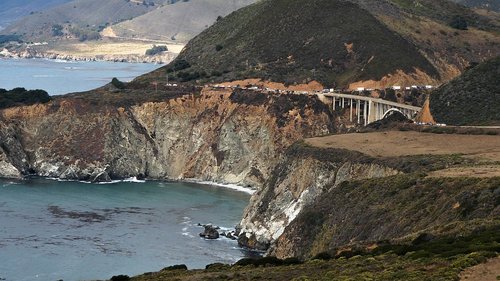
(365, 110)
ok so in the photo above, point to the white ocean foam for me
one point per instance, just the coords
(132, 179)
(61, 61)
(230, 186)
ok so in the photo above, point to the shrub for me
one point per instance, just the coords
(156, 50)
(120, 278)
(21, 96)
(175, 267)
(57, 30)
(117, 83)
(458, 22)
(322, 256)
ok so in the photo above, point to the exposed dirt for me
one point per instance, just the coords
(425, 115)
(400, 143)
(488, 271)
(311, 86)
(400, 78)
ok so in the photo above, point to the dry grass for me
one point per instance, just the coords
(96, 48)
(401, 143)
(477, 172)
(488, 271)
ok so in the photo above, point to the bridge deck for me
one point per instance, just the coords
(376, 100)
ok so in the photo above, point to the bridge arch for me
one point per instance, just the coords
(392, 110)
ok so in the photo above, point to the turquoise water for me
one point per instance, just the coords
(52, 230)
(61, 77)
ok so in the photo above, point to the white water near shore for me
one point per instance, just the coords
(55, 230)
(229, 186)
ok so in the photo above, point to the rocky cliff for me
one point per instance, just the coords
(214, 135)
(300, 178)
(327, 200)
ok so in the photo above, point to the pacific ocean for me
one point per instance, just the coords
(59, 77)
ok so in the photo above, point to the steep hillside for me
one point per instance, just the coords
(13, 10)
(177, 133)
(84, 15)
(373, 43)
(180, 21)
(482, 4)
(390, 209)
(471, 99)
(339, 190)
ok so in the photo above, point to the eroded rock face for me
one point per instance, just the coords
(298, 180)
(217, 136)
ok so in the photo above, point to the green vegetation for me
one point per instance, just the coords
(458, 22)
(156, 50)
(117, 83)
(9, 38)
(334, 42)
(21, 96)
(440, 259)
(471, 99)
(84, 34)
(492, 5)
(397, 208)
(122, 94)
(57, 30)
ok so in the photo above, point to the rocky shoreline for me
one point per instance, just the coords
(35, 54)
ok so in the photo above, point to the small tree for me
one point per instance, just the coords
(458, 22)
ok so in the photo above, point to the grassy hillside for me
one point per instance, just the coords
(492, 5)
(86, 15)
(337, 43)
(180, 22)
(471, 99)
(392, 208)
(13, 10)
(442, 259)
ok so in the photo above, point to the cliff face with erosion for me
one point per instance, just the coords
(223, 136)
(300, 179)
(330, 200)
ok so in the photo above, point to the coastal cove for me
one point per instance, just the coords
(59, 77)
(69, 230)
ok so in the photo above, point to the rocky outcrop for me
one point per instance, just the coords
(216, 135)
(402, 209)
(302, 176)
(27, 53)
(210, 232)
(329, 200)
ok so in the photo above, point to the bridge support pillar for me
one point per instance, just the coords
(358, 109)
(350, 112)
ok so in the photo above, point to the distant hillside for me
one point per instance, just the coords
(12, 10)
(180, 21)
(471, 99)
(80, 15)
(339, 43)
(493, 5)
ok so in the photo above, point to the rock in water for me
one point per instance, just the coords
(210, 232)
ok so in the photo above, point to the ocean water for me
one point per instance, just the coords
(51, 230)
(59, 77)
